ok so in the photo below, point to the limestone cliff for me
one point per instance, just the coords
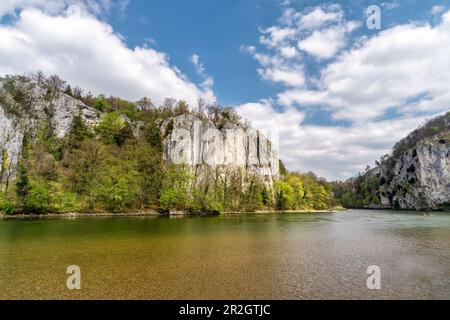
(417, 174)
(187, 139)
(18, 120)
(200, 145)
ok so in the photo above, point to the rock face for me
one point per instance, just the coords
(200, 145)
(421, 178)
(417, 175)
(13, 127)
(188, 140)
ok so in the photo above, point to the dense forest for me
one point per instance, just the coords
(118, 166)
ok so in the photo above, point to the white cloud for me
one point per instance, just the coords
(319, 16)
(390, 5)
(320, 31)
(86, 52)
(195, 59)
(335, 152)
(208, 81)
(96, 7)
(324, 44)
(275, 125)
(292, 76)
(436, 10)
(403, 71)
(288, 52)
(405, 67)
(274, 36)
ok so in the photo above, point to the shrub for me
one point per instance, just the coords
(38, 198)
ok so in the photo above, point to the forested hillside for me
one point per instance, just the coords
(65, 150)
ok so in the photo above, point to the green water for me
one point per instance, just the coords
(290, 256)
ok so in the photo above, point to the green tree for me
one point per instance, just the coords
(101, 103)
(284, 194)
(175, 188)
(78, 132)
(37, 199)
(114, 129)
(22, 182)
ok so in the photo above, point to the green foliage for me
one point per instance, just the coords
(284, 195)
(78, 133)
(253, 197)
(153, 136)
(117, 189)
(5, 162)
(17, 95)
(61, 200)
(119, 166)
(69, 91)
(124, 107)
(6, 205)
(302, 191)
(358, 193)
(37, 199)
(22, 182)
(114, 129)
(283, 170)
(101, 104)
(175, 188)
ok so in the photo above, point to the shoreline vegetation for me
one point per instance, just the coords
(187, 214)
(155, 213)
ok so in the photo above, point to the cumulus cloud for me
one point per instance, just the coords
(292, 76)
(320, 32)
(319, 16)
(96, 7)
(405, 68)
(87, 52)
(324, 44)
(383, 86)
(274, 124)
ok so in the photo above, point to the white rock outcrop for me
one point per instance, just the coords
(418, 179)
(14, 127)
(199, 144)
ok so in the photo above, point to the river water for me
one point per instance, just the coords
(271, 256)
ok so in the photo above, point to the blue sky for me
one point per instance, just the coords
(215, 30)
(333, 94)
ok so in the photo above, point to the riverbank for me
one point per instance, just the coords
(153, 213)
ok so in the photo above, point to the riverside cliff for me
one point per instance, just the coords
(65, 151)
(415, 176)
(23, 119)
(189, 140)
(201, 145)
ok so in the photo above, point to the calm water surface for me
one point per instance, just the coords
(289, 256)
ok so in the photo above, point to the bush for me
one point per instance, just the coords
(284, 195)
(38, 198)
(114, 129)
(101, 103)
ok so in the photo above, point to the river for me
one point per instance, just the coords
(270, 256)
